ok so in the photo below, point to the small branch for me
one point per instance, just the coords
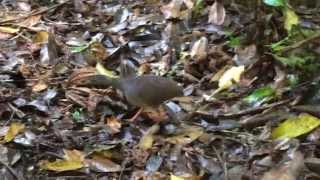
(302, 42)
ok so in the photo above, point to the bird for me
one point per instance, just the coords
(145, 91)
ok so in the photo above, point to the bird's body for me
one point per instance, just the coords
(146, 91)
(141, 91)
(149, 90)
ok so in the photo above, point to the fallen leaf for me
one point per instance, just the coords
(259, 96)
(73, 159)
(114, 124)
(41, 37)
(30, 21)
(73, 155)
(291, 19)
(147, 139)
(101, 164)
(61, 165)
(10, 30)
(40, 86)
(296, 126)
(14, 130)
(217, 14)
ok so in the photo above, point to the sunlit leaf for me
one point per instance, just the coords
(14, 130)
(217, 14)
(230, 77)
(147, 139)
(291, 19)
(7, 29)
(295, 126)
(41, 37)
(61, 165)
(73, 159)
(275, 3)
(173, 177)
(260, 96)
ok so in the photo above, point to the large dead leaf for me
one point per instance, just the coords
(217, 14)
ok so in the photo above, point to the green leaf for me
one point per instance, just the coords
(77, 115)
(275, 3)
(260, 96)
(296, 126)
(199, 6)
(291, 19)
(77, 49)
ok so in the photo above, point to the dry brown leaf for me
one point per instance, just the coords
(40, 86)
(199, 51)
(114, 124)
(217, 14)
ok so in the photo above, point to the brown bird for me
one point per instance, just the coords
(146, 91)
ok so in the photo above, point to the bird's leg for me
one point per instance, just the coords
(136, 115)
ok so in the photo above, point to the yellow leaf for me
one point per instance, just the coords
(189, 134)
(7, 29)
(231, 76)
(73, 159)
(15, 128)
(146, 141)
(291, 18)
(61, 165)
(41, 37)
(295, 126)
(103, 71)
(173, 177)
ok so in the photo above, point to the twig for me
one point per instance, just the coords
(246, 111)
(302, 42)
